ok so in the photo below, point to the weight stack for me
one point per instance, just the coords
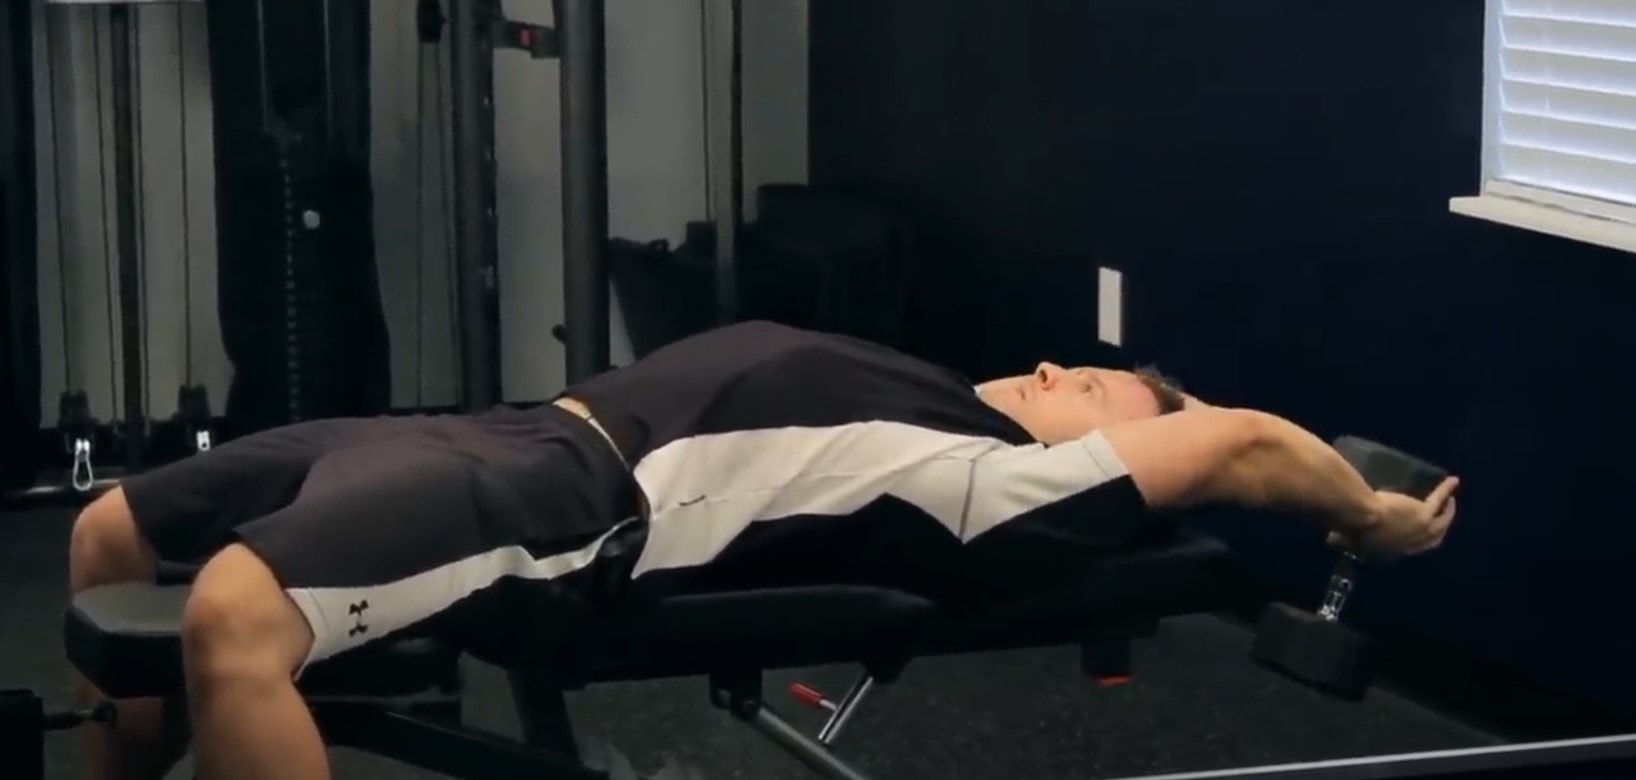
(298, 291)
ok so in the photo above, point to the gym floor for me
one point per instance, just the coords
(1197, 703)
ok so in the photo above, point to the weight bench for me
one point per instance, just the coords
(401, 698)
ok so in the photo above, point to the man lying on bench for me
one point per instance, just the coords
(758, 452)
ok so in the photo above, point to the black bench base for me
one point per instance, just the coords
(399, 698)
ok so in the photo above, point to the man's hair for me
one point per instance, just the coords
(1166, 391)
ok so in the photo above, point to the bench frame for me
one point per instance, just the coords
(426, 731)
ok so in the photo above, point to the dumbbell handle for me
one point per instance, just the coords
(1341, 583)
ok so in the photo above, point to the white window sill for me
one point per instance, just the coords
(1593, 222)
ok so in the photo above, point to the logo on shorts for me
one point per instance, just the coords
(692, 502)
(357, 612)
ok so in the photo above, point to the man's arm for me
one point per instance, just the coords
(1190, 458)
(1211, 455)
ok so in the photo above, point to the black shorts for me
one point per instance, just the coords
(375, 526)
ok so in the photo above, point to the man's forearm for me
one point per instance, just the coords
(1287, 469)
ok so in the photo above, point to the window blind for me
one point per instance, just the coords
(1561, 109)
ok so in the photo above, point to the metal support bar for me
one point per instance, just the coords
(471, 50)
(815, 756)
(739, 693)
(724, 144)
(130, 252)
(580, 30)
(843, 712)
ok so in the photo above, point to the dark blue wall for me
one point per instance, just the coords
(1272, 176)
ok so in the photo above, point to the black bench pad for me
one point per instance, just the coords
(126, 638)
(793, 627)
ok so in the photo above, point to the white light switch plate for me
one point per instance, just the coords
(1110, 306)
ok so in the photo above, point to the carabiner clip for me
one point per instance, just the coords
(82, 477)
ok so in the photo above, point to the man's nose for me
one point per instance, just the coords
(1049, 374)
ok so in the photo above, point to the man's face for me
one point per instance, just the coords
(1058, 404)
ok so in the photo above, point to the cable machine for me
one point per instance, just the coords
(291, 161)
(477, 30)
(123, 258)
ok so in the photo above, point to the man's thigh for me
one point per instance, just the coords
(415, 534)
(187, 510)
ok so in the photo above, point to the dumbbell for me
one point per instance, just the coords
(1316, 648)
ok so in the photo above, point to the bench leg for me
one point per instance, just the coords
(542, 711)
(22, 734)
(24, 722)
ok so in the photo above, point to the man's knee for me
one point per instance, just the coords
(105, 546)
(238, 622)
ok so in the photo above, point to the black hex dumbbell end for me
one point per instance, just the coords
(1322, 653)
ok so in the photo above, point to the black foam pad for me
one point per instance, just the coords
(126, 638)
(788, 627)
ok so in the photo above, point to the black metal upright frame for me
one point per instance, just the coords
(471, 63)
(579, 40)
(581, 28)
(20, 376)
(126, 242)
(579, 33)
(724, 143)
(580, 48)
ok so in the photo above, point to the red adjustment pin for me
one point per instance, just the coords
(811, 697)
(1111, 682)
(525, 36)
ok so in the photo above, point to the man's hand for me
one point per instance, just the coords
(1405, 525)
